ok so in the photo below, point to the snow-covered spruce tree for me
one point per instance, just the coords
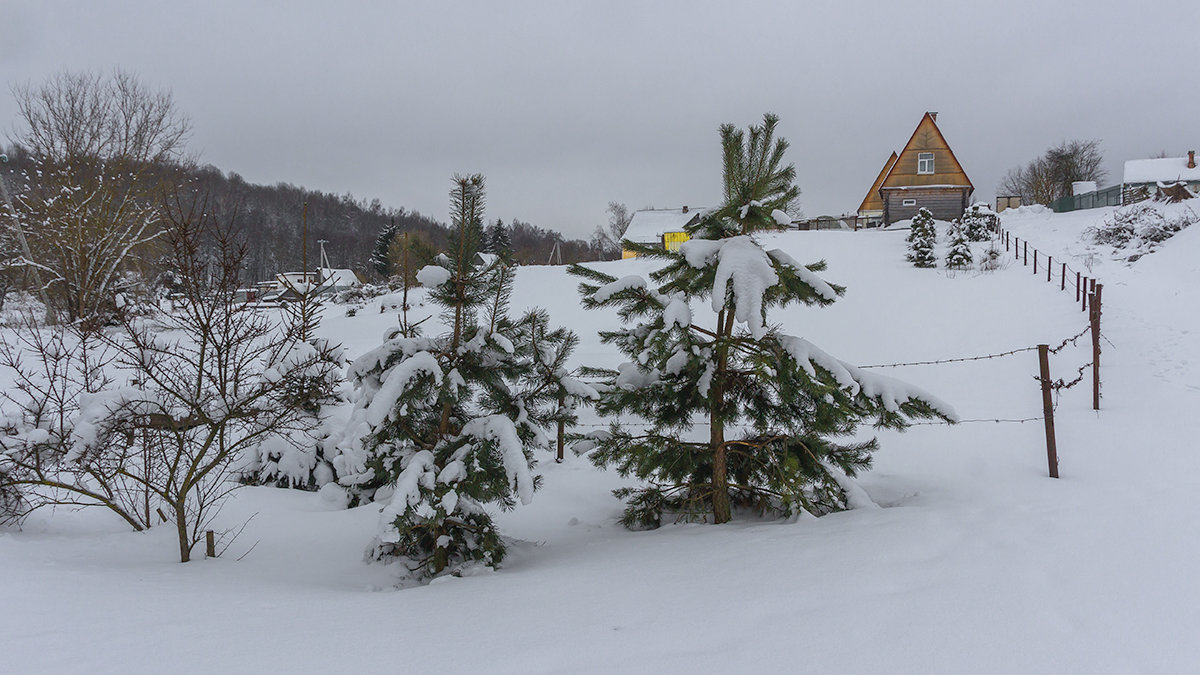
(979, 222)
(446, 424)
(737, 413)
(380, 260)
(922, 238)
(959, 256)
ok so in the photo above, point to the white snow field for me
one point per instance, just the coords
(969, 560)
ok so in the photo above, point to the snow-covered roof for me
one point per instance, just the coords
(649, 225)
(338, 278)
(1162, 170)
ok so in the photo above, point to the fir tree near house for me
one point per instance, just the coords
(446, 424)
(922, 238)
(959, 256)
(736, 413)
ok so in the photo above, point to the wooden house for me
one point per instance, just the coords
(925, 174)
(1168, 177)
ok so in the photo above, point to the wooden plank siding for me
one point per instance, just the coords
(943, 203)
(945, 192)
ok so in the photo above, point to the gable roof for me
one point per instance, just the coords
(1162, 170)
(648, 225)
(873, 202)
(337, 278)
(947, 172)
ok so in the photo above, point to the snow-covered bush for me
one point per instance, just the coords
(959, 256)
(922, 238)
(445, 425)
(979, 222)
(738, 415)
(1138, 228)
(198, 391)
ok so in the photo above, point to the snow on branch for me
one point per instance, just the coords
(890, 392)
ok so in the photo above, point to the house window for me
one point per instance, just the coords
(925, 162)
(908, 202)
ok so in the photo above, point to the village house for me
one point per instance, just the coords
(1170, 177)
(925, 174)
(660, 227)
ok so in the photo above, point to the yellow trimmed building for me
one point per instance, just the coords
(660, 227)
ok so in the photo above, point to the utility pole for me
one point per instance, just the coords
(51, 319)
(304, 242)
(324, 258)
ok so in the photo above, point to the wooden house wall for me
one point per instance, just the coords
(943, 203)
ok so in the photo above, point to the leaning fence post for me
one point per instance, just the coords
(1048, 409)
(210, 544)
(1096, 346)
(1049, 268)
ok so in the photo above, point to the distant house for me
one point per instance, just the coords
(1148, 178)
(334, 280)
(660, 227)
(925, 174)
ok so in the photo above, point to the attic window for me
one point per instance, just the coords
(908, 202)
(925, 162)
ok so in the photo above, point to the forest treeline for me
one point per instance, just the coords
(271, 220)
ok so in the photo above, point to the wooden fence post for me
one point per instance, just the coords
(1026, 248)
(210, 544)
(1049, 268)
(1035, 261)
(1096, 346)
(1064, 277)
(1048, 409)
(1077, 287)
(1085, 294)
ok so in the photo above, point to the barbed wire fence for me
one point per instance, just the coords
(1088, 293)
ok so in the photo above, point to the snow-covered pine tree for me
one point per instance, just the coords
(737, 413)
(380, 261)
(446, 424)
(959, 257)
(979, 222)
(922, 238)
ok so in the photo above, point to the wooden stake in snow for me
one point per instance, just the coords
(1095, 316)
(210, 544)
(1048, 409)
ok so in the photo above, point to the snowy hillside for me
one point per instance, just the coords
(964, 556)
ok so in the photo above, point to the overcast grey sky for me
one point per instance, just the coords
(565, 106)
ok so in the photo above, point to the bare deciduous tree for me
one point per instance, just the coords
(606, 239)
(102, 147)
(1050, 176)
(194, 393)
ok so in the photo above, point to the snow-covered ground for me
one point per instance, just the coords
(974, 560)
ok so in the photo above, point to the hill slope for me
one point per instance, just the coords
(969, 560)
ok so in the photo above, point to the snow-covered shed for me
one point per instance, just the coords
(1146, 178)
(335, 280)
(662, 227)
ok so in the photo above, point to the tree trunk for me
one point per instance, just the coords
(185, 543)
(720, 483)
(722, 513)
